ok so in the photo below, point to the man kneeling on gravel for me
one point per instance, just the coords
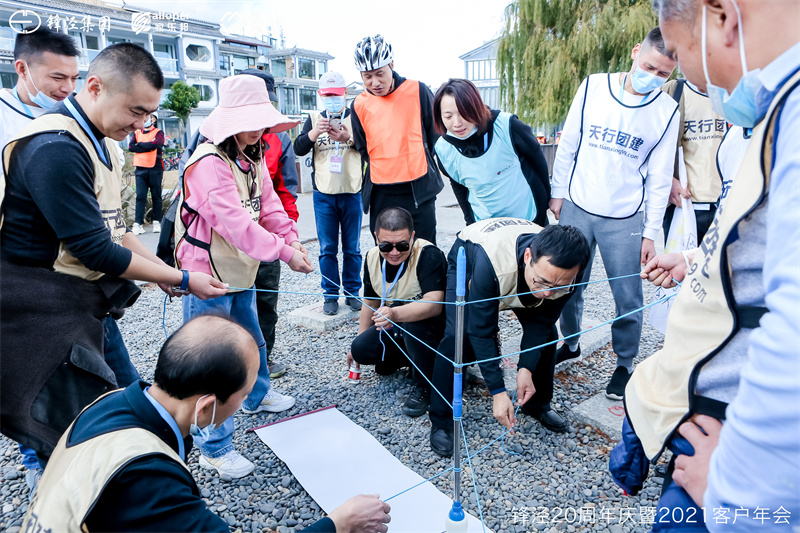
(511, 264)
(121, 464)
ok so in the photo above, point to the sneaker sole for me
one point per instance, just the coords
(223, 477)
(278, 374)
(413, 413)
(568, 362)
(612, 396)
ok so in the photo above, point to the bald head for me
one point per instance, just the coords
(208, 355)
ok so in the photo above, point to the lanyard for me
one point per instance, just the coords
(27, 109)
(78, 117)
(396, 279)
(622, 92)
(169, 420)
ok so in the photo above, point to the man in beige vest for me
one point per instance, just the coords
(514, 264)
(394, 331)
(700, 133)
(67, 256)
(731, 348)
(122, 464)
(336, 175)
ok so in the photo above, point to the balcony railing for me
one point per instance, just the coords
(167, 64)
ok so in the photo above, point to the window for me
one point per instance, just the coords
(198, 53)
(116, 40)
(308, 99)
(323, 67)
(8, 80)
(241, 45)
(288, 105)
(239, 64)
(163, 50)
(206, 92)
(225, 64)
(92, 42)
(305, 69)
(279, 68)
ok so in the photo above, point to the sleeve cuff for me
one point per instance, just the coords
(286, 254)
(650, 233)
(558, 192)
(494, 392)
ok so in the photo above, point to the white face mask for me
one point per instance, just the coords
(205, 432)
(467, 136)
(40, 99)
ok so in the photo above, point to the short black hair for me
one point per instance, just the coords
(119, 63)
(656, 40)
(564, 246)
(204, 356)
(394, 219)
(30, 46)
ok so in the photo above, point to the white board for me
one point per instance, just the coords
(335, 459)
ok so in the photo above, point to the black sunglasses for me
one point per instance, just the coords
(386, 247)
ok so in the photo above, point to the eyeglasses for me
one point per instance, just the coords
(386, 247)
(557, 290)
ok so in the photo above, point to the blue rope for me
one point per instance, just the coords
(472, 473)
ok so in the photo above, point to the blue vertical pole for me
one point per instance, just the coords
(461, 291)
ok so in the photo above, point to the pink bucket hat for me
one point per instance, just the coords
(244, 105)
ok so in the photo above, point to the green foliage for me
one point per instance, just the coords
(549, 46)
(182, 98)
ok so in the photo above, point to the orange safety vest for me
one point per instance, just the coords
(393, 129)
(146, 159)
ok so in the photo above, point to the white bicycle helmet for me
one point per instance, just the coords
(372, 53)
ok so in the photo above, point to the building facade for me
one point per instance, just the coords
(480, 67)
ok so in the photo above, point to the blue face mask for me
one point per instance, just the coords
(333, 104)
(41, 99)
(644, 82)
(202, 433)
(741, 107)
(148, 123)
(467, 136)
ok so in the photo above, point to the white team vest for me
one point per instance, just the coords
(107, 185)
(701, 134)
(498, 238)
(705, 316)
(407, 287)
(616, 140)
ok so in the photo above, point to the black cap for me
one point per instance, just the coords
(268, 80)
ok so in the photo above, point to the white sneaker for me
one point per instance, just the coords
(137, 229)
(156, 227)
(274, 402)
(232, 465)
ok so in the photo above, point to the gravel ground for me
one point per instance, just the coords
(558, 483)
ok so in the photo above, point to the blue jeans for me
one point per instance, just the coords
(332, 211)
(241, 306)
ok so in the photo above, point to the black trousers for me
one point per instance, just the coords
(424, 215)
(268, 277)
(441, 414)
(149, 178)
(367, 348)
(704, 220)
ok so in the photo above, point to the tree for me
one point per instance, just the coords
(182, 98)
(549, 46)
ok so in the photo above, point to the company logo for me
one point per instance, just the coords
(25, 18)
(141, 22)
(231, 22)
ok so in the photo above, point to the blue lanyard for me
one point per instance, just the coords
(396, 279)
(77, 116)
(622, 92)
(169, 420)
(27, 109)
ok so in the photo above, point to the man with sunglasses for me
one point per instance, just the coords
(511, 264)
(401, 268)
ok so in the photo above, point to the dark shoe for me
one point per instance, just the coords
(353, 303)
(276, 370)
(616, 387)
(418, 402)
(566, 356)
(330, 307)
(442, 441)
(552, 421)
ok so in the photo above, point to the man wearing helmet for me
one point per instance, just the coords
(393, 130)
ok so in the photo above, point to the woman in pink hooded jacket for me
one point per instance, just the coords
(229, 222)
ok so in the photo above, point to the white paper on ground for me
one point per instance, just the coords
(334, 459)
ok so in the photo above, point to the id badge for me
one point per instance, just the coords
(336, 164)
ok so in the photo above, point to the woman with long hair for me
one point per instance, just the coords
(229, 221)
(494, 162)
